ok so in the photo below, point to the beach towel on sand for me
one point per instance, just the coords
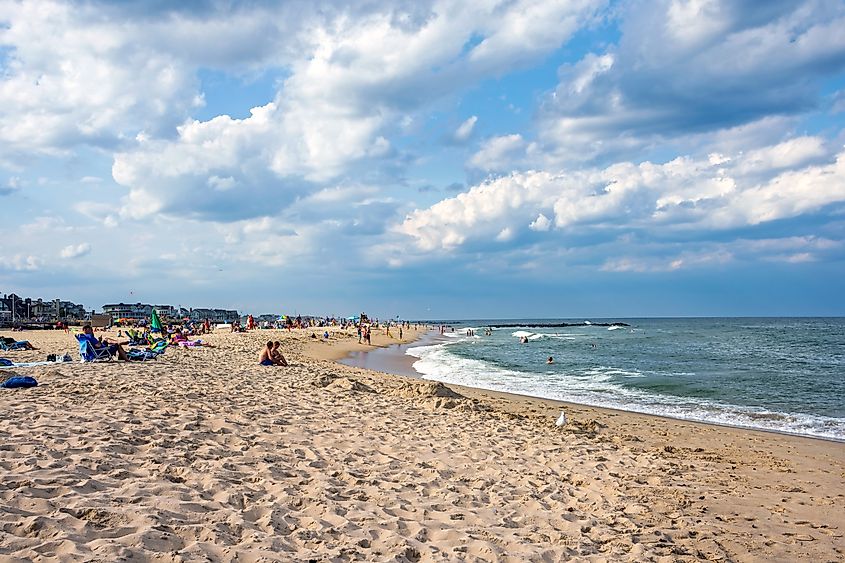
(19, 381)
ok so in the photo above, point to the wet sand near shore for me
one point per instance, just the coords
(203, 455)
(392, 358)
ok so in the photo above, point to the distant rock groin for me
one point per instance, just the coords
(552, 325)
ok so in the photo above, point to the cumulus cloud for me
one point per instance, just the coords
(357, 77)
(312, 173)
(540, 224)
(686, 68)
(499, 153)
(684, 194)
(75, 250)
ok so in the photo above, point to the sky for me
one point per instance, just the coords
(432, 160)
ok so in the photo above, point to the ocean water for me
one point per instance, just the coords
(782, 374)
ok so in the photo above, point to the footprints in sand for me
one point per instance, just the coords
(202, 456)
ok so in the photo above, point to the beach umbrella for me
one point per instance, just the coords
(155, 322)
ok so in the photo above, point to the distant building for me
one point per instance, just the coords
(136, 311)
(19, 309)
(213, 315)
(140, 311)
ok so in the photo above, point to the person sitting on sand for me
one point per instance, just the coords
(113, 347)
(277, 356)
(265, 358)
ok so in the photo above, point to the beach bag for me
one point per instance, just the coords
(5, 362)
(19, 381)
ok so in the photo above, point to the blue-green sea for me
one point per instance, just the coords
(783, 374)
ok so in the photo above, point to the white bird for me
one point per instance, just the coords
(561, 420)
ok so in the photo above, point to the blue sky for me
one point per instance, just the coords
(581, 158)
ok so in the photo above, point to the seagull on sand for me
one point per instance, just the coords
(561, 420)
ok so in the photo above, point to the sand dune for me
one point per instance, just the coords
(203, 455)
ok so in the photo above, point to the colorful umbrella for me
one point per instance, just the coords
(155, 322)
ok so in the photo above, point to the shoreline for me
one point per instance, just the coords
(389, 356)
(206, 454)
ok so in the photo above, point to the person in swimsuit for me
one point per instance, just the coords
(265, 358)
(277, 356)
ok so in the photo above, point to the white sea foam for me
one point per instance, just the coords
(596, 387)
(521, 333)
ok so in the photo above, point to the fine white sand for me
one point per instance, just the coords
(203, 455)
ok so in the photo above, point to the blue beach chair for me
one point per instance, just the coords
(88, 353)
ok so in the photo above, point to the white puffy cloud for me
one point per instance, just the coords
(75, 250)
(71, 76)
(540, 224)
(683, 194)
(356, 79)
(463, 132)
(683, 69)
(499, 153)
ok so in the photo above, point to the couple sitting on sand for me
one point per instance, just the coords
(272, 355)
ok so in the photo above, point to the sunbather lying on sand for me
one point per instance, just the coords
(17, 344)
(181, 338)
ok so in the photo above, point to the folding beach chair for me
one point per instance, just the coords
(88, 353)
(139, 355)
(158, 347)
(19, 345)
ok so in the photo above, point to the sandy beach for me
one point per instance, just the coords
(202, 455)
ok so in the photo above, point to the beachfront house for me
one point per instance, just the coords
(135, 311)
(213, 315)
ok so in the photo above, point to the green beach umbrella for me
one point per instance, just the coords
(155, 322)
